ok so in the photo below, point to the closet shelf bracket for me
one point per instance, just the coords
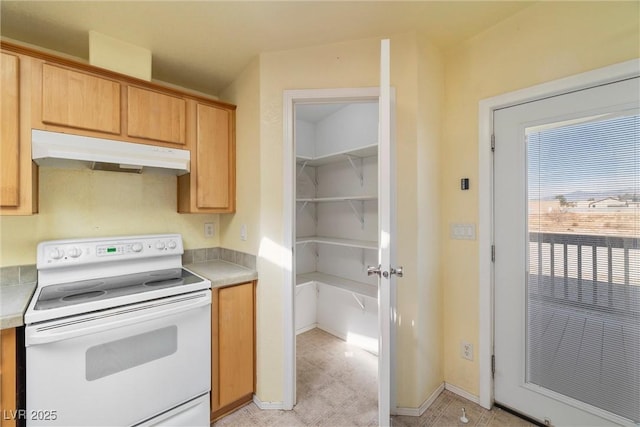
(313, 179)
(356, 168)
(304, 165)
(304, 244)
(358, 213)
(360, 303)
(304, 205)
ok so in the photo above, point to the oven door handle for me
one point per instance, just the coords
(44, 333)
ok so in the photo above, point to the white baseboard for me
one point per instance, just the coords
(462, 393)
(416, 412)
(267, 405)
(306, 328)
(343, 337)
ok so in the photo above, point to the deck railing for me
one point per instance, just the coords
(588, 271)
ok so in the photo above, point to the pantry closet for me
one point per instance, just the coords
(337, 220)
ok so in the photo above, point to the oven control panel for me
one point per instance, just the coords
(88, 251)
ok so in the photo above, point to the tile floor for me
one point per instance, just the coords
(337, 387)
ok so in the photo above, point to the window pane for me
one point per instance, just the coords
(583, 291)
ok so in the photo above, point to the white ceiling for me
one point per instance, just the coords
(204, 45)
(313, 113)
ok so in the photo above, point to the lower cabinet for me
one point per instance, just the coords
(232, 347)
(8, 377)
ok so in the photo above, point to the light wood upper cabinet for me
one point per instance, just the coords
(10, 131)
(211, 185)
(18, 174)
(156, 116)
(215, 158)
(232, 347)
(46, 92)
(80, 100)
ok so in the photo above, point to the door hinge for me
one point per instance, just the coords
(493, 142)
(493, 365)
(493, 253)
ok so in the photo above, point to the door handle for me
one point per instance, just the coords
(398, 271)
(371, 270)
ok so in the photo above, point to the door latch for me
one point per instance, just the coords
(371, 270)
(398, 271)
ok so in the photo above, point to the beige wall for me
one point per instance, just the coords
(85, 203)
(429, 292)
(547, 41)
(245, 93)
(354, 64)
(341, 65)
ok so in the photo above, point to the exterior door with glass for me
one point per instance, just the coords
(567, 256)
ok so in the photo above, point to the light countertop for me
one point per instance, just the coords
(223, 273)
(14, 300)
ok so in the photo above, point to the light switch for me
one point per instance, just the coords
(459, 231)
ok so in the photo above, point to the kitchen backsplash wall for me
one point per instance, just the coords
(18, 274)
(21, 274)
(84, 203)
(210, 254)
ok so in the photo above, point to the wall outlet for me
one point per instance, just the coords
(209, 229)
(466, 350)
(243, 232)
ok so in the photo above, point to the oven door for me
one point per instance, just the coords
(121, 366)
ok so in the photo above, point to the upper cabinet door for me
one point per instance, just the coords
(215, 159)
(10, 131)
(156, 116)
(80, 100)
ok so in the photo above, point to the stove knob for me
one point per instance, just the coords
(56, 253)
(172, 244)
(160, 245)
(75, 252)
(136, 247)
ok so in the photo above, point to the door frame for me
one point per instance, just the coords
(487, 106)
(290, 99)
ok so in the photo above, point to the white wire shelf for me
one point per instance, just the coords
(356, 287)
(366, 151)
(336, 199)
(363, 244)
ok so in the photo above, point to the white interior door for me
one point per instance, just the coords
(386, 234)
(567, 256)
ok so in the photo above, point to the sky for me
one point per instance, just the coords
(596, 157)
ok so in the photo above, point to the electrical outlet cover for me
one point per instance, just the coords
(466, 350)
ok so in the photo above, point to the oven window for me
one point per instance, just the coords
(116, 356)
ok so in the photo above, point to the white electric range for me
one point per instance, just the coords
(117, 334)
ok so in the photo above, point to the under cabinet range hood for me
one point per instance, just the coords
(74, 151)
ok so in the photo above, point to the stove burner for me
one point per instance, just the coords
(80, 285)
(84, 295)
(165, 273)
(164, 282)
(93, 290)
